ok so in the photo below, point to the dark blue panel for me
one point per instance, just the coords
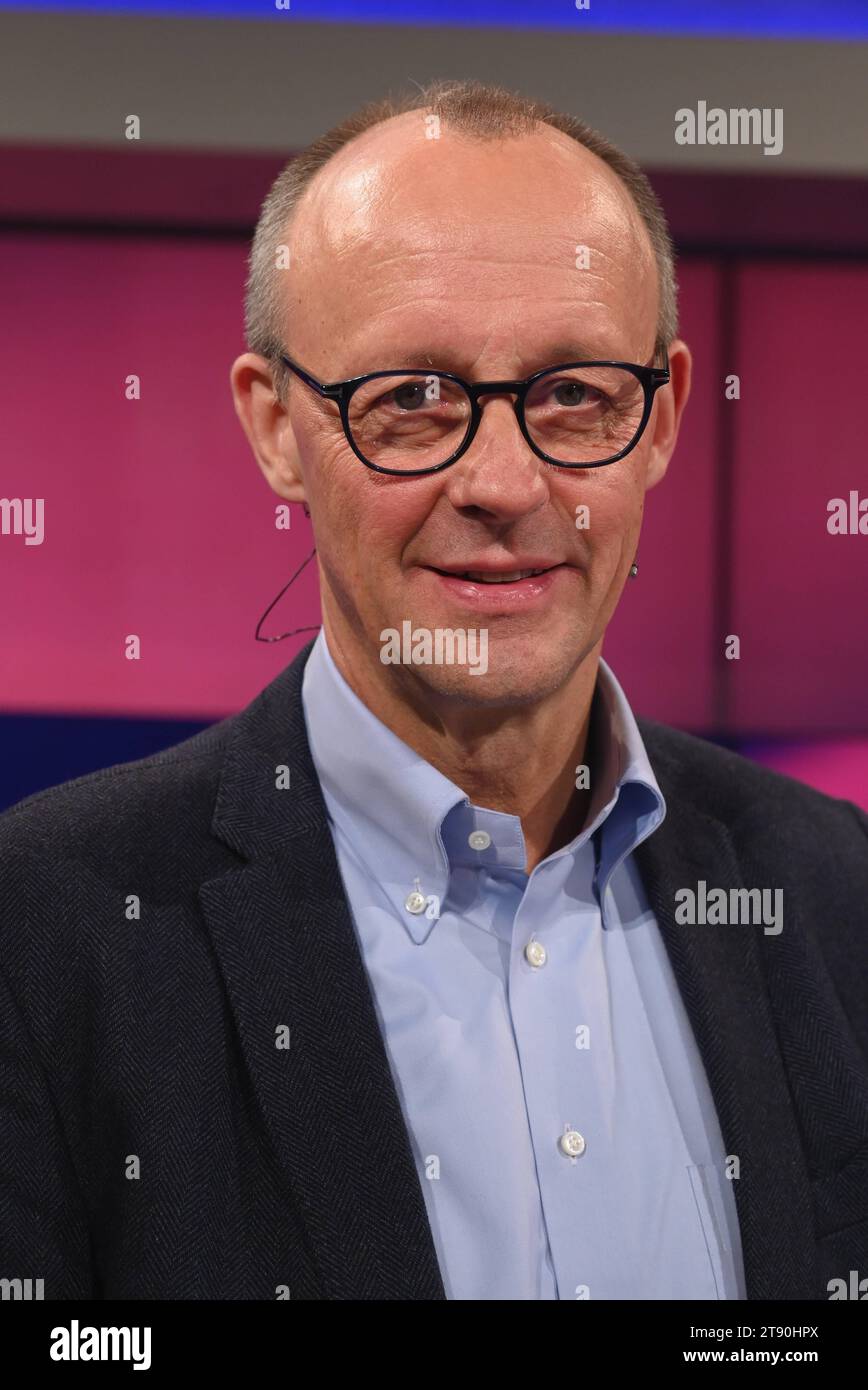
(38, 751)
(832, 19)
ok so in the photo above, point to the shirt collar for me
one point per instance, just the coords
(404, 821)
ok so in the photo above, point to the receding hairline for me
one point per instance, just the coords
(378, 133)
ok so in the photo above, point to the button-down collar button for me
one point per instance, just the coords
(415, 903)
(535, 954)
(479, 839)
(572, 1144)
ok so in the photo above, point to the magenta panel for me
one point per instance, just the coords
(157, 520)
(659, 641)
(800, 595)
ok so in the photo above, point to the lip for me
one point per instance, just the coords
(518, 562)
(519, 596)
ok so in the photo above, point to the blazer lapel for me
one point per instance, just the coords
(287, 949)
(720, 974)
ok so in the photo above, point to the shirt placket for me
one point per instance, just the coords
(559, 1003)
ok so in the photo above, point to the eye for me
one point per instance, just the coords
(409, 396)
(576, 393)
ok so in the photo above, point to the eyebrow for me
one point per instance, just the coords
(552, 357)
(579, 352)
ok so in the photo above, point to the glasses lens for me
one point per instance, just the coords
(584, 414)
(409, 421)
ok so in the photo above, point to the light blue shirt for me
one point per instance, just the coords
(558, 1110)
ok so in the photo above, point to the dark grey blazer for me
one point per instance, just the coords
(262, 1168)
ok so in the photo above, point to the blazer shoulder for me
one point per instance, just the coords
(108, 815)
(731, 786)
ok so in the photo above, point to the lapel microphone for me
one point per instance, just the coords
(294, 632)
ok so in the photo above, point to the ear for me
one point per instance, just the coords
(669, 406)
(267, 425)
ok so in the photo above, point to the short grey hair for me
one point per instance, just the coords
(478, 109)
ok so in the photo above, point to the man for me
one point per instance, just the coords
(433, 973)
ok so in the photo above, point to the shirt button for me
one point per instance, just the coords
(535, 954)
(572, 1144)
(479, 839)
(415, 903)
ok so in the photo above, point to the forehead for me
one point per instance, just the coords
(399, 230)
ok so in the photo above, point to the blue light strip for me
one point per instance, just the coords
(782, 19)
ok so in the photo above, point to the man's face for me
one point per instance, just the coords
(462, 255)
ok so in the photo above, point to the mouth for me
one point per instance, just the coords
(500, 592)
(495, 576)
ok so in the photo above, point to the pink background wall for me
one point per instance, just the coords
(157, 519)
(800, 595)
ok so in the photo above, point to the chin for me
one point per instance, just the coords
(507, 681)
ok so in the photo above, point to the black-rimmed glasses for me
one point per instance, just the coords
(414, 420)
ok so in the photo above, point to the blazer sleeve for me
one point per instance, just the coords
(43, 1225)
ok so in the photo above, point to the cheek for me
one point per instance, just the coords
(326, 457)
(390, 519)
(367, 520)
(335, 481)
(607, 510)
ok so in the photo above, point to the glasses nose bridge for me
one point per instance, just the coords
(497, 388)
(483, 389)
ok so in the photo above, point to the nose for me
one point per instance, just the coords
(500, 474)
